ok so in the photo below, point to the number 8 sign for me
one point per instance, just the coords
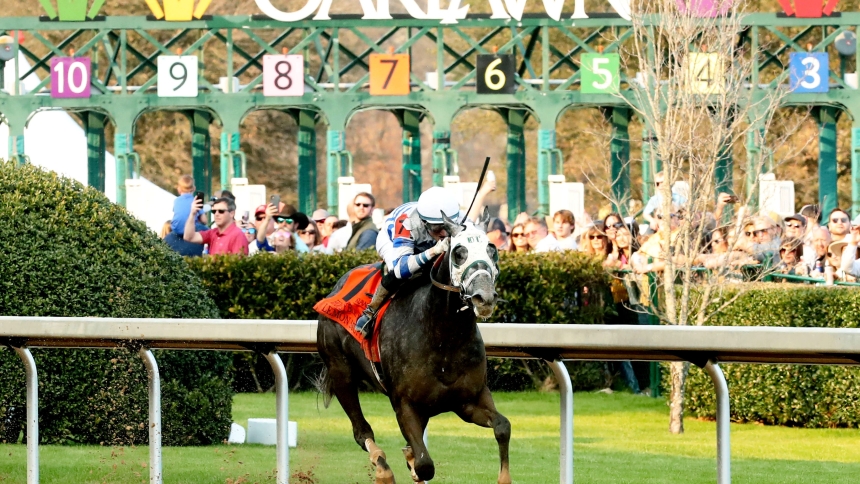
(809, 72)
(283, 75)
(70, 77)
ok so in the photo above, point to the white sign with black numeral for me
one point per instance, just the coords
(177, 76)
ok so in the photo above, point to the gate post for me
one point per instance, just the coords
(827, 162)
(16, 121)
(410, 123)
(445, 161)
(855, 169)
(339, 163)
(619, 153)
(201, 150)
(307, 164)
(94, 124)
(516, 154)
(755, 164)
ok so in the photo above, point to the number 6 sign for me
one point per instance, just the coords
(495, 74)
(283, 75)
(70, 77)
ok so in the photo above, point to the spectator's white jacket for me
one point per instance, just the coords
(850, 264)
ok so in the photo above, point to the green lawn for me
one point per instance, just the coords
(619, 438)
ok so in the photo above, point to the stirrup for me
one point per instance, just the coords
(364, 325)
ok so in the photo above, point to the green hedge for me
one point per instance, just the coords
(793, 395)
(65, 250)
(537, 288)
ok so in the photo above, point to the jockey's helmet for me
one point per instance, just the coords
(436, 201)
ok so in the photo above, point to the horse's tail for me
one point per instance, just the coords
(323, 384)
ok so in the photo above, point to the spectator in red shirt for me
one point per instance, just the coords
(226, 237)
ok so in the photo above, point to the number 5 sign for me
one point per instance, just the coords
(809, 72)
(283, 75)
(600, 73)
(389, 74)
(70, 77)
(496, 74)
(177, 76)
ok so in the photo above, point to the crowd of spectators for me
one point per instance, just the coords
(733, 238)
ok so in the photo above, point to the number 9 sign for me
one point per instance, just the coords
(600, 73)
(177, 76)
(283, 75)
(809, 72)
(70, 77)
(496, 74)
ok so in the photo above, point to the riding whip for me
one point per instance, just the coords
(480, 182)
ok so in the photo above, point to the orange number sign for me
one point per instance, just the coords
(389, 74)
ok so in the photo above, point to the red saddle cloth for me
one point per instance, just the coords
(346, 305)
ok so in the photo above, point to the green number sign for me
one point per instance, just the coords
(72, 10)
(600, 73)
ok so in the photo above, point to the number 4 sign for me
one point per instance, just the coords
(283, 75)
(177, 76)
(809, 72)
(70, 77)
(600, 73)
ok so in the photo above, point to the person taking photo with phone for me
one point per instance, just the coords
(226, 237)
(181, 210)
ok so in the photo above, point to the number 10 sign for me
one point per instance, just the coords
(70, 77)
(177, 76)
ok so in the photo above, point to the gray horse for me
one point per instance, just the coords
(433, 357)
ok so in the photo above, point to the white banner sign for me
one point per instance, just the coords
(502, 9)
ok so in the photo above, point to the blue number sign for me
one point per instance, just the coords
(809, 72)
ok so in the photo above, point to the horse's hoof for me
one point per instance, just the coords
(383, 472)
(410, 464)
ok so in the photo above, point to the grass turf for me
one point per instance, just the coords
(619, 438)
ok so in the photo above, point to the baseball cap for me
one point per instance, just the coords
(320, 214)
(260, 209)
(800, 218)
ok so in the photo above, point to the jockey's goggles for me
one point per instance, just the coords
(435, 229)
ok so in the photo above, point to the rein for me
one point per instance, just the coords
(444, 287)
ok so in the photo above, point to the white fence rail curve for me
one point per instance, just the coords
(704, 346)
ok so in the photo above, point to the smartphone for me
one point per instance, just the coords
(200, 196)
(245, 216)
(734, 199)
(276, 201)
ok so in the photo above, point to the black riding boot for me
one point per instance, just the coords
(364, 325)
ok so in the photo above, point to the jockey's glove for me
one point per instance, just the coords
(440, 248)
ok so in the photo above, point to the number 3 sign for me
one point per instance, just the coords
(809, 72)
(283, 75)
(496, 74)
(177, 76)
(70, 77)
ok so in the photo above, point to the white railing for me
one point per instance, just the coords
(703, 346)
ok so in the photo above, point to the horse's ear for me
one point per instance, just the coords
(484, 220)
(452, 227)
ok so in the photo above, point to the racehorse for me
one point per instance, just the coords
(432, 356)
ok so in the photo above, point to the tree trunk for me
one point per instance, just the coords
(678, 374)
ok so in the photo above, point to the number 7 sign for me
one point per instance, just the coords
(389, 74)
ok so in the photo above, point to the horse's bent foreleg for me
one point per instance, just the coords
(412, 425)
(410, 462)
(377, 458)
(484, 414)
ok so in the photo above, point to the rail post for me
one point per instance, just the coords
(154, 390)
(724, 447)
(32, 414)
(282, 414)
(565, 390)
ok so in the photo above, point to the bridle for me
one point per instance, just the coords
(457, 288)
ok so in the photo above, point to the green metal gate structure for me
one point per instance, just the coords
(124, 53)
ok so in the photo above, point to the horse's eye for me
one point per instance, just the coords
(460, 255)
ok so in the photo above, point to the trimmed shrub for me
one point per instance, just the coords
(65, 250)
(536, 288)
(792, 395)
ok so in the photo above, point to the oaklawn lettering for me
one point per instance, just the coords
(501, 9)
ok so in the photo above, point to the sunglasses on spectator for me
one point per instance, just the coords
(592, 237)
(794, 226)
(755, 233)
(281, 220)
(616, 226)
(531, 234)
(307, 232)
(839, 220)
(251, 231)
(260, 218)
(219, 210)
(674, 215)
(365, 205)
(518, 234)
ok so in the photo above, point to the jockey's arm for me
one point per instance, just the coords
(403, 262)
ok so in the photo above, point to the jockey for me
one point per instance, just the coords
(412, 236)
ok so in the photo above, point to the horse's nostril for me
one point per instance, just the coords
(478, 299)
